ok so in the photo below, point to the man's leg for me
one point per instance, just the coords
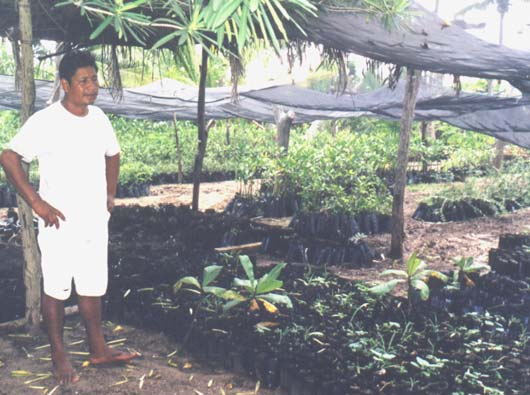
(53, 314)
(100, 353)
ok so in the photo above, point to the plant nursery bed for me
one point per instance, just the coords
(337, 339)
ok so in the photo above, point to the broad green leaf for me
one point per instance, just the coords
(436, 274)
(217, 291)
(186, 280)
(229, 7)
(232, 295)
(239, 282)
(268, 285)
(385, 288)
(422, 287)
(210, 273)
(268, 282)
(412, 264)
(245, 261)
(276, 298)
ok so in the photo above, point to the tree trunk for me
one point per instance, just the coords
(398, 221)
(202, 132)
(180, 175)
(284, 121)
(499, 144)
(32, 273)
(227, 132)
(427, 136)
(56, 92)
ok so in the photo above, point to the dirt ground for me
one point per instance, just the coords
(160, 373)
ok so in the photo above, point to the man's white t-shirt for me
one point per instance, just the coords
(71, 152)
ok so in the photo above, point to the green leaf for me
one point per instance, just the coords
(132, 5)
(239, 282)
(232, 295)
(186, 280)
(270, 30)
(385, 288)
(413, 264)
(422, 287)
(245, 261)
(242, 34)
(268, 282)
(276, 19)
(216, 4)
(276, 298)
(101, 27)
(231, 304)
(210, 273)
(229, 7)
(217, 291)
(166, 39)
(267, 285)
(253, 5)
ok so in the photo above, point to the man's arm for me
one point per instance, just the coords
(11, 162)
(112, 172)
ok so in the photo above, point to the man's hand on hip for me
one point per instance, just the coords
(49, 214)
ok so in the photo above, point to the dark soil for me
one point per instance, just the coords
(436, 243)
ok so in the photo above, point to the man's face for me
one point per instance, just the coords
(83, 89)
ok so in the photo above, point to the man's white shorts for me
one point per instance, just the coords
(75, 251)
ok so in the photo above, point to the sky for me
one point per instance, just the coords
(516, 21)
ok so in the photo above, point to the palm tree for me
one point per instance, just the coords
(216, 25)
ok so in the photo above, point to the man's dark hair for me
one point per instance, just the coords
(74, 60)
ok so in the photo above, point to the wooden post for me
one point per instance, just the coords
(202, 132)
(227, 132)
(398, 221)
(56, 91)
(284, 121)
(32, 273)
(180, 175)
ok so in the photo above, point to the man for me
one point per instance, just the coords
(79, 158)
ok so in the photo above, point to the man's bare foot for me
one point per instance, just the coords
(111, 357)
(63, 370)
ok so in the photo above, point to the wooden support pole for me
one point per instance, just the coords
(284, 121)
(32, 272)
(202, 132)
(180, 174)
(398, 221)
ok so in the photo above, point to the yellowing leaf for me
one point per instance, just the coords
(117, 329)
(269, 306)
(253, 305)
(187, 365)
(85, 364)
